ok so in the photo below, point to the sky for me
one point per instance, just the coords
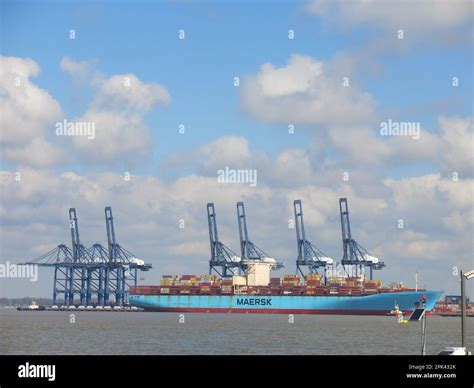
(237, 76)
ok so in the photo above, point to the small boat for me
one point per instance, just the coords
(454, 351)
(399, 314)
(395, 311)
(33, 306)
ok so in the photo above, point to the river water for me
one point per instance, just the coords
(101, 333)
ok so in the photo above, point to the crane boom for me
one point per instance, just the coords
(223, 260)
(354, 253)
(249, 251)
(112, 244)
(308, 254)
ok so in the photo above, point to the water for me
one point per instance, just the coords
(101, 333)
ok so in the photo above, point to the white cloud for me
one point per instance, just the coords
(359, 144)
(225, 151)
(200, 248)
(420, 15)
(419, 247)
(457, 153)
(297, 77)
(26, 109)
(458, 193)
(290, 167)
(147, 211)
(321, 209)
(450, 148)
(117, 136)
(304, 91)
(75, 69)
(117, 112)
(456, 221)
(127, 92)
(232, 151)
(407, 149)
(432, 202)
(413, 193)
(38, 153)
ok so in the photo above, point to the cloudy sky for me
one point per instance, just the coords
(297, 91)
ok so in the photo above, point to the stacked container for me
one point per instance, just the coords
(309, 290)
(264, 290)
(336, 280)
(208, 279)
(313, 280)
(194, 290)
(275, 290)
(353, 281)
(226, 286)
(188, 280)
(321, 290)
(168, 280)
(291, 280)
(333, 289)
(297, 290)
(226, 289)
(372, 284)
(275, 282)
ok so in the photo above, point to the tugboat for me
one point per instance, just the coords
(399, 314)
(33, 306)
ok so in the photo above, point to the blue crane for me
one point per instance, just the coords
(122, 264)
(354, 253)
(70, 265)
(76, 275)
(98, 283)
(308, 254)
(249, 251)
(223, 260)
(78, 250)
(91, 272)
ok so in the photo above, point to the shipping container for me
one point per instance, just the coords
(291, 277)
(275, 290)
(370, 290)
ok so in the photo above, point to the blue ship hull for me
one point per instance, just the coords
(377, 304)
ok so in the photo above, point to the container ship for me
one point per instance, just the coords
(243, 284)
(211, 294)
(451, 307)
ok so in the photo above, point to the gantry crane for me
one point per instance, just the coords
(249, 251)
(76, 275)
(223, 260)
(91, 272)
(308, 254)
(354, 253)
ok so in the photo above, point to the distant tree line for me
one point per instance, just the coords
(24, 301)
